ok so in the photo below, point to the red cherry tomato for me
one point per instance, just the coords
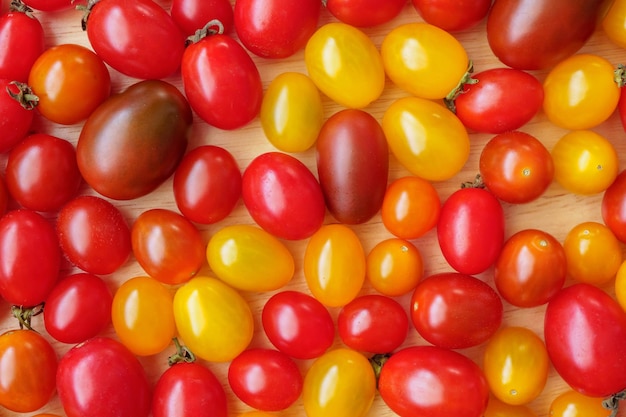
(453, 15)
(4, 197)
(613, 207)
(365, 13)
(49, 5)
(22, 42)
(192, 15)
(16, 113)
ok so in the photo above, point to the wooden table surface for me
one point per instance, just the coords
(556, 212)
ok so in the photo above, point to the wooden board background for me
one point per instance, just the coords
(556, 212)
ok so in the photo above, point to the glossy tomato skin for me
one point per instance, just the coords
(19, 52)
(538, 40)
(470, 230)
(28, 365)
(222, 82)
(572, 401)
(394, 267)
(352, 165)
(158, 44)
(192, 15)
(186, 389)
(143, 132)
(283, 196)
(49, 5)
(15, 119)
(612, 207)
(452, 15)
(585, 334)
(32, 270)
(99, 375)
(492, 104)
(455, 311)
(432, 381)
(365, 13)
(4, 197)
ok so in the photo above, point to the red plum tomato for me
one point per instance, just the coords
(16, 114)
(23, 41)
(365, 13)
(49, 5)
(613, 207)
(192, 15)
(453, 15)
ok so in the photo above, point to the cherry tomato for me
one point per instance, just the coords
(341, 382)
(31, 260)
(93, 234)
(22, 40)
(470, 230)
(585, 334)
(143, 131)
(530, 269)
(283, 196)
(334, 265)
(585, 162)
(57, 179)
(613, 201)
(78, 308)
(424, 59)
(432, 381)
(4, 197)
(455, 311)
(49, 5)
(365, 13)
(621, 107)
(426, 138)
(157, 43)
(221, 81)
(620, 285)
(613, 23)
(101, 368)
(345, 65)
(516, 167)
(394, 267)
(207, 184)
(373, 323)
(213, 319)
(516, 365)
(16, 113)
(28, 365)
(571, 403)
(298, 324)
(276, 28)
(248, 258)
(352, 165)
(192, 15)
(497, 408)
(265, 379)
(452, 15)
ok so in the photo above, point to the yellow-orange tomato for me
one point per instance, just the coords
(571, 403)
(620, 285)
(497, 408)
(394, 267)
(614, 22)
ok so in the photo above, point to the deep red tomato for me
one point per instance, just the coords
(221, 81)
(455, 311)
(207, 184)
(585, 334)
(265, 379)
(16, 113)
(93, 234)
(614, 207)
(157, 44)
(352, 165)
(77, 308)
(28, 365)
(49, 5)
(432, 381)
(283, 196)
(298, 324)
(192, 15)
(373, 323)
(4, 197)
(365, 13)
(22, 38)
(470, 230)
(453, 15)
(516, 167)
(101, 375)
(31, 258)
(167, 246)
(492, 103)
(56, 179)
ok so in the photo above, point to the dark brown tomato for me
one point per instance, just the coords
(135, 140)
(352, 165)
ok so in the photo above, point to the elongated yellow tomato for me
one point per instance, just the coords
(571, 403)
(291, 112)
(340, 383)
(214, 321)
(424, 60)
(614, 23)
(334, 265)
(516, 365)
(426, 138)
(344, 64)
(250, 259)
(142, 315)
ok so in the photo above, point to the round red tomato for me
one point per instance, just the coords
(22, 42)
(192, 15)
(365, 13)
(453, 15)
(16, 113)
(614, 207)
(283, 196)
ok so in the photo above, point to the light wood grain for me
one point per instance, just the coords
(556, 212)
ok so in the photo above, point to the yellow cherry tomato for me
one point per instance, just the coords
(340, 383)
(142, 315)
(334, 265)
(213, 320)
(426, 138)
(291, 112)
(580, 92)
(620, 285)
(394, 267)
(571, 403)
(614, 22)
(497, 408)
(424, 59)
(516, 365)
(250, 259)
(585, 162)
(344, 64)
(593, 253)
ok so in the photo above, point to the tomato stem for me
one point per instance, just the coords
(619, 75)
(612, 403)
(182, 355)
(19, 6)
(213, 27)
(24, 95)
(25, 314)
(86, 9)
(477, 183)
(377, 361)
(449, 100)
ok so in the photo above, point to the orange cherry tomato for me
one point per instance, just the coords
(394, 267)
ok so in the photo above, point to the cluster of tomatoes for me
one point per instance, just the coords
(265, 207)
